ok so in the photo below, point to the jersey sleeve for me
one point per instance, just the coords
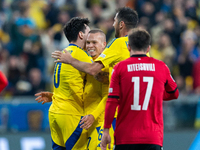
(101, 106)
(3, 81)
(110, 54)
(171, 90)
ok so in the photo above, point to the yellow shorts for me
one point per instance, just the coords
(66, 132)
(111, 132)
(93, 133)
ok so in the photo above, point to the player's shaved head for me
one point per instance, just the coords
(96, 42)
(100, 32)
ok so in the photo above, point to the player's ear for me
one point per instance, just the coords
(148, 49)
(121, 24)
(129, 48)
(81, 35)
(104, 44)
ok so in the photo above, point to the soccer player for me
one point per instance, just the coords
(138, 85)
(116, 51)
(66, 110)
(3, 81)
(94, 91)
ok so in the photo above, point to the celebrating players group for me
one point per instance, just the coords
(108, 97)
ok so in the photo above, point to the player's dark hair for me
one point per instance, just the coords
(139, 39)
(128, 16)
(74, 26)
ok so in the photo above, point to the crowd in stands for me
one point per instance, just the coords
(31, 29)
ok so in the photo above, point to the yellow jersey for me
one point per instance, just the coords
(115, 52)
(69, 84)
(94, 92)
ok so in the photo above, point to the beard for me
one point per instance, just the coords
(84, 47)
(117, 32)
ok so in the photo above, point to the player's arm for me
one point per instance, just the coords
(44, 97)
(3, 81)
(111, 105)
(170, 95)
(89, 68)
(106, 139)
(88, 120)
(171, 91)
(101, 106)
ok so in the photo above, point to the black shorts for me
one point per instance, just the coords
(138, 147)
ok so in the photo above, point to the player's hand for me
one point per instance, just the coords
(62, 57)
(102, 77)
(43, 97)
(87, 121)
(105, 139)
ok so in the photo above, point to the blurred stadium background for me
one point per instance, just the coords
(31, 29)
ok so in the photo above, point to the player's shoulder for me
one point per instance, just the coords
(117, 41)
(76, 50)
(111, 42)
(70, 49)
(121, 39)
(123, 62)
(158, 63)
(156, 60)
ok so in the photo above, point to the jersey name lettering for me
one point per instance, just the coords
(141, 67)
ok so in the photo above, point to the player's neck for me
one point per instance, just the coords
(123, 33)
(137, 53)
(79, 43)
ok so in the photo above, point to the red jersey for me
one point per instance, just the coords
(138, 85)
(3, 81)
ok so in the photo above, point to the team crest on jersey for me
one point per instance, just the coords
(102, 55)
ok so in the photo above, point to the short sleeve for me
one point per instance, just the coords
(110, 54)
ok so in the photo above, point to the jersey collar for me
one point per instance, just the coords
(139, 55)
(75, 45)
(80, 48)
